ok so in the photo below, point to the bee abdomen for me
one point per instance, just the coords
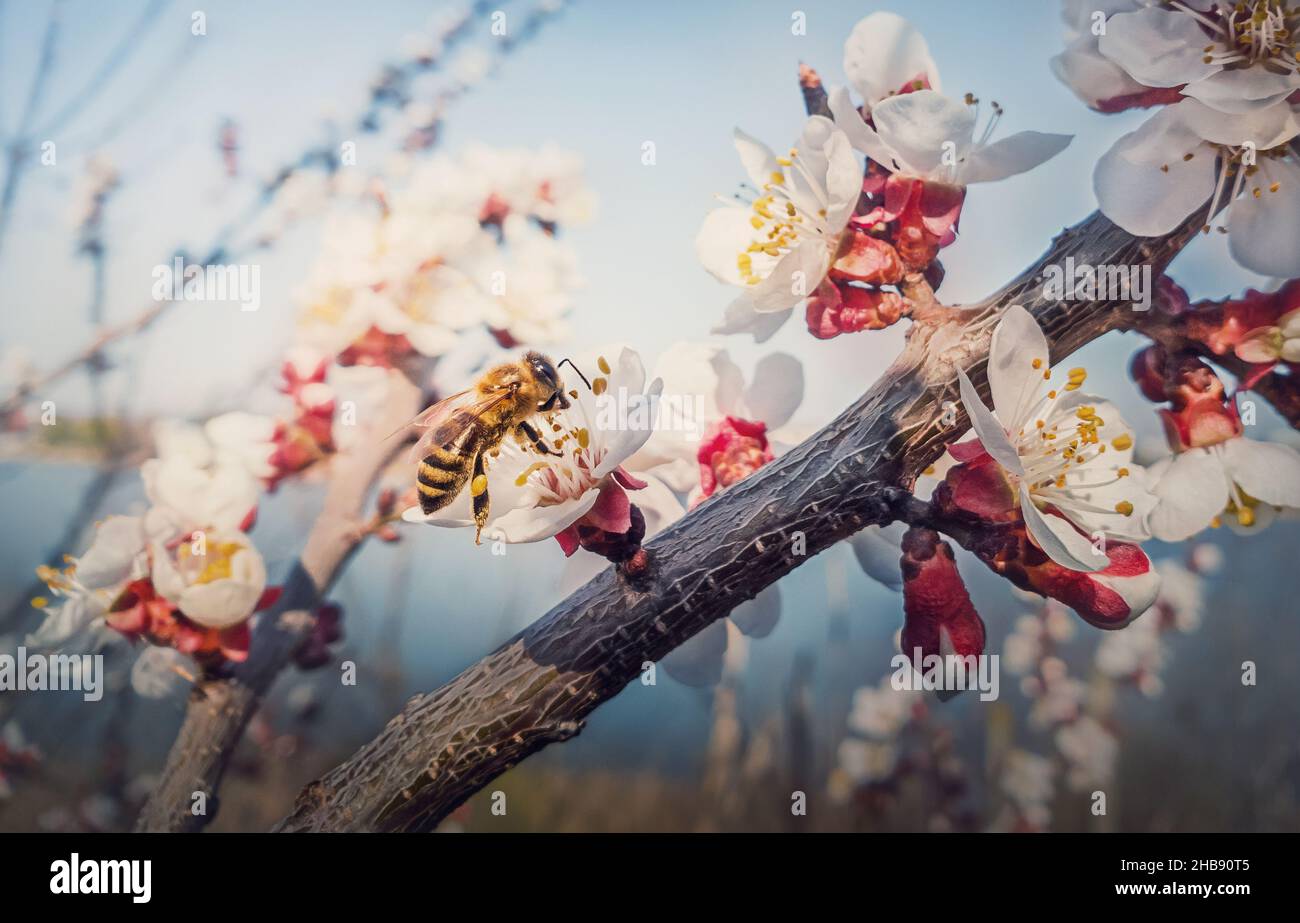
(440, 477)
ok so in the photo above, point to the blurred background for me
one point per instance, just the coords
(169, 142)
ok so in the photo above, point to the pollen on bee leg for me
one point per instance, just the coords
(478, 485)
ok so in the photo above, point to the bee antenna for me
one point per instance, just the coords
(578, 370)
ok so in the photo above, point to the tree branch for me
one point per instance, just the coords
(1279, 389)
(540, 686)
(220, 707)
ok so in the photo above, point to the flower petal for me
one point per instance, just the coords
(1268, 471)
(879, 553)
(1144, 184)
(1192, 489)
(883, 53)
(723, 236)
(1011, 155)
(861, 135)
(1158, 48)
(658, 504)
(918, 125)
(698, 661)
(1091, 75)
(741, 317)
(990, 432)
(1058, 538)
(522, 525)
(226, 602)
(1247, 89)
(759, 161)
(154, 676)
(1262, 232)
(112, 553)
(758, 616)
(776, 391)
(1014, 379)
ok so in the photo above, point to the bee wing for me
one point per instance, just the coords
(431, 420)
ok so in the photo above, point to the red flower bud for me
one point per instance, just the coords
(1201, 414)
(836, 309)
(939, 617)
(1147, 368)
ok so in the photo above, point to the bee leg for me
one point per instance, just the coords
(535, 438)
(478, 488)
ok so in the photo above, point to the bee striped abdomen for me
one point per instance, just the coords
(443, 472)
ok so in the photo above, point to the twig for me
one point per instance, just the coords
(220, 707)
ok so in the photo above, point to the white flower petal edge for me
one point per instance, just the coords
(1059, 539)
(883, 53)
(1191, 489)
(990, 432)
(1143, 183)
(1158, 48)
(879, 550)
(927, 135)
(1267, 471)
(1263, 232)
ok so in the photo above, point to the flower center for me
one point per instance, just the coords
(214, 564)
(778, 220)
(1250, 33)
(1055, 441)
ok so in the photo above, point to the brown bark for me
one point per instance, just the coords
(220, 707)
(540, 686)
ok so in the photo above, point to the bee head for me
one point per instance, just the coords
(544, 369)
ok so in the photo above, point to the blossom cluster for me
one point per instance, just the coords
(185, 574)
(817, 225)
(463, 244)
(1226, 77)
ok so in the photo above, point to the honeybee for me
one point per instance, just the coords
(465, 427)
